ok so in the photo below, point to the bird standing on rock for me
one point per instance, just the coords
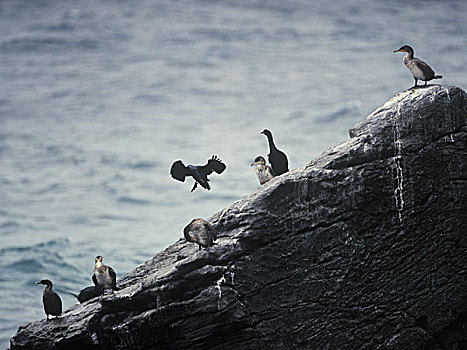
(200, 231)
(198, 172)
(50, 299)
(263, 172)
(278, 159)
(104, 276)
(419, 69)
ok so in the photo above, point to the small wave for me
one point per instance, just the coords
(50, 188)
(58, 27)
(153, 99)
(143, 165)
(9, 224)
(60, 242)
(46, 44)
(341, 113)
(131, 200)
(26, 265)
(115, 217)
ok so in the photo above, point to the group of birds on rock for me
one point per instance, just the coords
(200, 231)
(278, 159)
(104, 279)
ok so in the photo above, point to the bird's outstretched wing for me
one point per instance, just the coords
(214, 164)
(179, 171)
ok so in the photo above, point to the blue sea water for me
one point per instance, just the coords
(98, 98)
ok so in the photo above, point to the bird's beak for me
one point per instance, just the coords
(37, 282)
(253, 164)
(396, 51)
(262, 132)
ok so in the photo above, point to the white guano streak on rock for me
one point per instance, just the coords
(399, 191)
(219, 289)
(451, 139)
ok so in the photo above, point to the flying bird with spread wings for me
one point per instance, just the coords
(198, 172)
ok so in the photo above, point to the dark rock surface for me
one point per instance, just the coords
(364, 248)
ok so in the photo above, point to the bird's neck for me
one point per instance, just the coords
(48, 287)
(271, 142)
(99, 265)
(409, 55)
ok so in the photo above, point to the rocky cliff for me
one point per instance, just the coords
(364, 248)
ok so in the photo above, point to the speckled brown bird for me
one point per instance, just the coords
(419, 69)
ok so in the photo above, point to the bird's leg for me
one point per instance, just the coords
(199, 246)
(425, 83)
(194, 186)
(416, 80)
(47, 317)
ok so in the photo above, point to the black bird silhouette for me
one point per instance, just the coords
(51, 300)
(278, 159)
(199, 172)
(88, 293)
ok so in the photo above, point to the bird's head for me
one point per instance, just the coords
(405, 48)
(266, 132)
(259, 161)
(45, 282)
(98, 258)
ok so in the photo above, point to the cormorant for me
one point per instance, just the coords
(88, 293)
(199, 172)
(277, 158)
(104, 276)
(419, 69)
(200, 231)
(263, 171)
(51, 300)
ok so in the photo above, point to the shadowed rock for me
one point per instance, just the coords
(363, 248)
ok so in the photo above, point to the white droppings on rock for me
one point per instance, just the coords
(219, 289)
(399, 176)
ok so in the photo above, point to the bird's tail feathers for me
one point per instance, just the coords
(438, 77)
(75, 295)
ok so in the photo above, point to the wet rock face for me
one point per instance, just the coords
(364, 248)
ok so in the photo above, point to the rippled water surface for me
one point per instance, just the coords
(98, 98)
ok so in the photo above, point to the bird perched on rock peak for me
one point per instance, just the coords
(419, 69)
(104, 276)
(50, 299)
(200, 231)
(263, 172)
(198, 172)
(277, 158)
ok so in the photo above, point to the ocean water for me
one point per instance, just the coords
(98, 98)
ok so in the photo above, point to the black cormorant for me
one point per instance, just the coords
(277, 158)
(263, 171)
(51, 300)
(200, 231)
(104, 276)
(419, 69)
(199, 172)
(88, 293)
